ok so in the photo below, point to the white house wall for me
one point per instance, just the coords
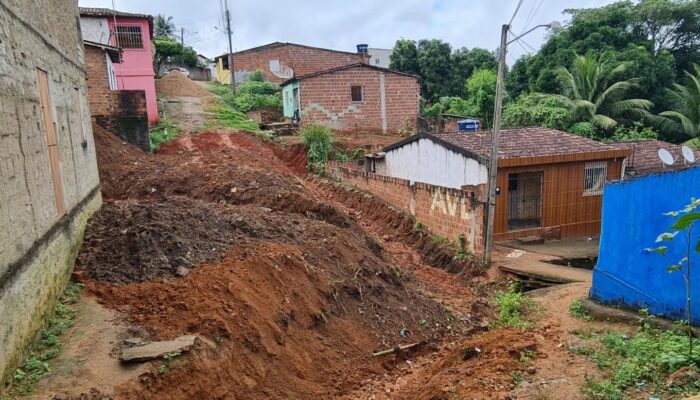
(428, 162)
(95, 29)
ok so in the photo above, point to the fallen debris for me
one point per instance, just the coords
(156, 350)
(397, 349)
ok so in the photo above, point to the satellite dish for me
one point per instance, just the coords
(688, 154)
(666, 157)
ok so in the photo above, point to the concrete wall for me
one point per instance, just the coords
(37, 245)
(95, 29)
(428, 162)
(633, 217)
(390, 102)
(380, 57)
(444, 211)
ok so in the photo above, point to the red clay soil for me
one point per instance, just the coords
(289, 294)
(176, 84)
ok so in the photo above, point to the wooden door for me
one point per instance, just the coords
(51, 140)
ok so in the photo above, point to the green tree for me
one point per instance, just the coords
(163, 26)
(684, 115)
(537, 110)
(481, 95)
(404, 57)
(594, 93)
(435, 67)
(463, 64)
(170, 50)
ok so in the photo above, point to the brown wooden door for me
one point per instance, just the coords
(51, 140)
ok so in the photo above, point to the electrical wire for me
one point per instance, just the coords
(520, 3)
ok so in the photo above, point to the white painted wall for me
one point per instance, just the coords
(95, 29)
(111, 73)
(428, 162)
(380, 57)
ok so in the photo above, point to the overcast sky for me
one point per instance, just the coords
(341, 25)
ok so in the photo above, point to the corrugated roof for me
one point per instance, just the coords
(344, 67)
(645, 156)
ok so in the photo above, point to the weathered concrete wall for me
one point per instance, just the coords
(36, 242)
(444, 211)
(428, 162)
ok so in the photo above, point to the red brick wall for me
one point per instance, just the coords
(326, 99)
(97, 81)
(302, 60)
(444, 211)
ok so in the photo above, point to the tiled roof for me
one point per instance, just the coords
(106, 12)
(524, 142)
(344, 67)
(645, 157)
(282, 44)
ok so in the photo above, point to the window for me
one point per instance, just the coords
(356, 93)
(274, 65)
(128, 36)
(594, 177)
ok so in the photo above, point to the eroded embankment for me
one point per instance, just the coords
(214, 236)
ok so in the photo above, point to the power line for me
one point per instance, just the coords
(520, 2)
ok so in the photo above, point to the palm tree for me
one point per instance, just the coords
(684, 101)
(590, 89)
(163, 26)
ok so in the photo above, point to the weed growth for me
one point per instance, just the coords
(511, 306)
(164, 132)
(318, 141)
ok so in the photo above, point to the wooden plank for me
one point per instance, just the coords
(51, 140)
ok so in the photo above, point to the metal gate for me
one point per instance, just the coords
(525, 200)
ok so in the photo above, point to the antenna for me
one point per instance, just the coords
(688, 154)
(666, 157)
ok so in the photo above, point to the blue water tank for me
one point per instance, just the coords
(362, 48)
(468, 125)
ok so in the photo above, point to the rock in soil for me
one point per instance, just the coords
(155, 350)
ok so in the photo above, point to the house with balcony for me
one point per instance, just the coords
(133, 34)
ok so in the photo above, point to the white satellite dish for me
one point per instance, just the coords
(688, 154)
(666, 157)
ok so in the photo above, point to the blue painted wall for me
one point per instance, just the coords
(633, 217)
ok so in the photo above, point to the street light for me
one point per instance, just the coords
(496, 135)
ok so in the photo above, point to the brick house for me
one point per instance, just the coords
(122, 112)
(645, 156)
(49, 184)
(283, 61)
(133, 33)
(356, 97)
(550, 183)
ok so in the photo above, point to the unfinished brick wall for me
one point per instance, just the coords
(444, 211)
(302, 60)
(122, 112)
(326, 100)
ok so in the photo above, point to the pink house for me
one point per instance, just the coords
(134, 34)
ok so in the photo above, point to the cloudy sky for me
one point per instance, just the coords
(341, 25)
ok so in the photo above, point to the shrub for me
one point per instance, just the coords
(537, 110)
(319, 142)
(165, 131)
(235, 119)
(584, 129)
(638, 131)
(511, 305)
(253, 95)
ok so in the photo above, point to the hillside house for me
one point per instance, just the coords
(49, 184)
(283, 61)
(357, 97)
(549, 184)
(133, 33)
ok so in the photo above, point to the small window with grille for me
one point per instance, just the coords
(356, 93)
(128, 36)
(594, 176)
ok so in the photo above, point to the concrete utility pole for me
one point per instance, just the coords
(182, 42)
(495, 141)
(230, 49)
(496, 135)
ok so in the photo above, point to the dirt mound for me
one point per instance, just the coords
(290, 320)
(175, 84)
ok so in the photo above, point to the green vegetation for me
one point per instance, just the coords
(576, 310)
(347, 155)
(637, 66)
(236, 120)
(164, 132)
(642, 360)
(163, 27)
(170, 49)
(36, 364)
(318, 141)
(511, 306)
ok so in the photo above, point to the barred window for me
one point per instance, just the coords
(594, 176)
(128, 36)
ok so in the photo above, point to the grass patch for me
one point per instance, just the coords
(36, 365)
(164, 132)
(576, 310)
(511, 306)
(219, 90)
(231, 118)
(643, 362)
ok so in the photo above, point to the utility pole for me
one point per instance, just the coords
(182, 42)
(495, 141)
(230, 49)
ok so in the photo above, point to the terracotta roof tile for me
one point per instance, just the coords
(524, 142)
(645, 157)
(106, 12)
